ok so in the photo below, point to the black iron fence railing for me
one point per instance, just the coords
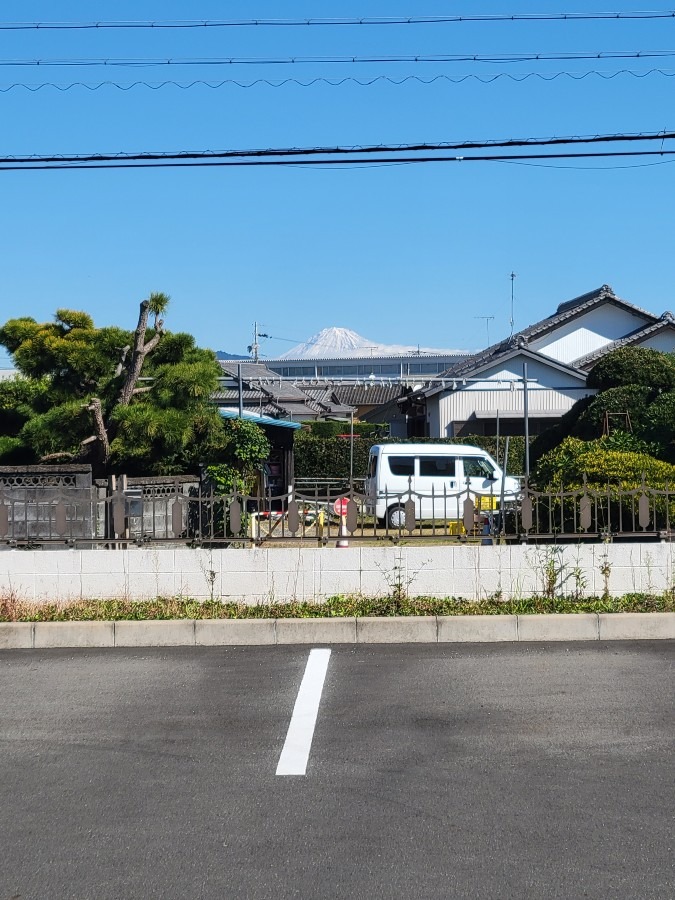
(190, 514)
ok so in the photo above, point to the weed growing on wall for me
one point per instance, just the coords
(399, 581)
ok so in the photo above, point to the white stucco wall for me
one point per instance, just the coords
(663, 341)
(587, 333)
(264, 575)
(551, 393)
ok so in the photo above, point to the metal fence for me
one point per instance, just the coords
(68, 514)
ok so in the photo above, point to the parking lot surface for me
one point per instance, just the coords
(489, 771)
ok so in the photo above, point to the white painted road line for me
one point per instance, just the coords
(295, 753)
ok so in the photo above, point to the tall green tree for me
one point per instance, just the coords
(127, 401)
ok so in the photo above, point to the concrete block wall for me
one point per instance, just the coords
(262, 575)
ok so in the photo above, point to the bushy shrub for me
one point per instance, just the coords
(634, 365)
(566, 465)
(660, 424)
(553, 436)
(613, 478)
(13, 452)
(631, 400)
(627, 442)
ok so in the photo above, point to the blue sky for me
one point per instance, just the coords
(402, 254)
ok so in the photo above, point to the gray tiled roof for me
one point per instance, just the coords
(258, 376)
(264, 391)
(233, 394)
(368, 394)
(249, 370)
(566, 312)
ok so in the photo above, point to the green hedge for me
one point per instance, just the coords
(319, 457)
(328, 429)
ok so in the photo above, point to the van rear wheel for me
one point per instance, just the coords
(396, 517)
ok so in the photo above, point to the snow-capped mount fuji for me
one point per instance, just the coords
(341, 343)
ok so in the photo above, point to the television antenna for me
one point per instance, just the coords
(513, 277)
(487, 319)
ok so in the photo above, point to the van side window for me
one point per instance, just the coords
(402, 465)
(475, 467)
(437, 466)
(372, 465)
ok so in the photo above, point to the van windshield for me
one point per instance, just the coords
(477, 467)
(372, 465)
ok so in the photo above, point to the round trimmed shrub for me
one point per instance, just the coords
(634, 365)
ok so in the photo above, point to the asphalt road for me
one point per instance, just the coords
(492, 771)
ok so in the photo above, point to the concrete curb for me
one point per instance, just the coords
(637, 627)
(316, 631)
(477, 629)
(242, 632)
(367, 630)
(73, 634)
(559, 627)
(397, 630)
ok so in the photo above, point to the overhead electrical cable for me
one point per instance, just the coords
(123, 164)
(495, 58)
(341, 150)
(339, 155)
(337, 21)
(337, 82)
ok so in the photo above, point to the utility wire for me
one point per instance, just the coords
(361, 20)
(196, 155)
(123, 164)
(337, 82)
(341, 60)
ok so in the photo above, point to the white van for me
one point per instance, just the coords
(437, 477)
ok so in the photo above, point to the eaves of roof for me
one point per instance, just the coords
(666, 321)
(498, 359)
(258, 419)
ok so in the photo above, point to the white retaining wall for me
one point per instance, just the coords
(275, 574)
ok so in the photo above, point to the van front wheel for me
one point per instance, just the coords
(396, 517)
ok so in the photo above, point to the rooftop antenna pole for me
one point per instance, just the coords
(488, 319)
(513, 277)
(255, 345)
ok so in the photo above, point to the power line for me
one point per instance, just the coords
(341, 60)
(341, 150)
(366, 161)
(337, 82)
(361, 20)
